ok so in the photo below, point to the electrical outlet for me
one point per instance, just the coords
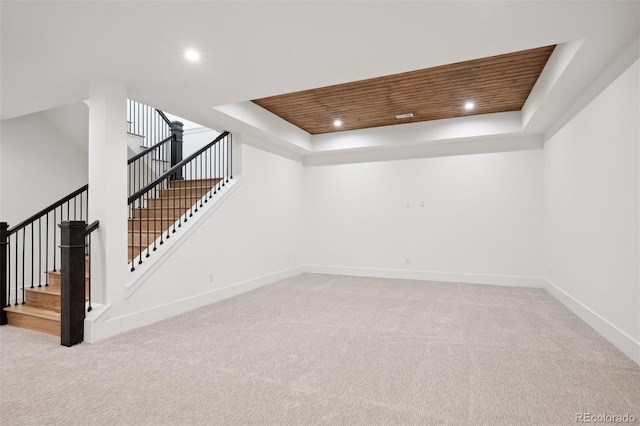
(408, 204)
(408, 261)
(210, 278)
(421, 203)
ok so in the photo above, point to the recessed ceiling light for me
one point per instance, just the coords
(469, 106)
(407, 115)
(337, 123)
(192, 55)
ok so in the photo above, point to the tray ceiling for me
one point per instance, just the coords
(494, 84)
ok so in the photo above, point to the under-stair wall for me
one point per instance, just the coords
(251, 238)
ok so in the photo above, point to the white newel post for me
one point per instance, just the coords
(108, 189)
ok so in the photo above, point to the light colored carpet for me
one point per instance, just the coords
(321, 349)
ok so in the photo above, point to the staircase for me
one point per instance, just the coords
(165, 190)
(162, 213)
(41, 310)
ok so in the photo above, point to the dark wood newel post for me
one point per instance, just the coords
(72, 286)
(176, 147)
(3, 271)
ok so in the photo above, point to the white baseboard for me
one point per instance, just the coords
(113, 326)
(407, 274)
(613, 334)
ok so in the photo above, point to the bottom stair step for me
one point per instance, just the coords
(25, 316)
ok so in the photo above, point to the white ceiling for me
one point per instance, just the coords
(52, 50)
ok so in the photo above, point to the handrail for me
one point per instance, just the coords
(92, 227)
(47, 210)
(164, 117)
(150, 149)
(174, 169)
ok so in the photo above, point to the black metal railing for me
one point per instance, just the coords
(146, 166)
(159, 208)
(29, 250)
(148, 122)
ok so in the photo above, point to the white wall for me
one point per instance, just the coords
(39, 165)
(254, 235)
(591, 213)
(196, 138)
(481, 220)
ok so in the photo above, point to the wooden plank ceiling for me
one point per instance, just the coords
(494, 84)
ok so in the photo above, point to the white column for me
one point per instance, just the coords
(108, 189)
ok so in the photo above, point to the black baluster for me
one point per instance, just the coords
(201, 156)
(46, 253)
(193, 163)
(140, 229)
(132, 219)
(24, 234)
(176, 211)
(223, 156)
(205, 176)
(210, 150)
(226, 145)
(148, 227)
(178, 207)
(155, 222)
(16, 274)
(40, 252)
(231, 154)
(5, 294)
(32, 253)
(7, 283)
(89, 309)
(220, 171)
(55, 234)
(168, 189)
(215, 167)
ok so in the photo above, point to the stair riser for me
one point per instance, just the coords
(144, 225)
(165, 213)
(54, 281)
(34, 323)
(169, 203)
(49, 301)
(187, 192)
(146, 238)
(199, 182)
